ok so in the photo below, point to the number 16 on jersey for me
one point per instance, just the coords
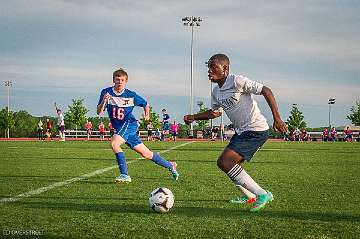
(118, 113)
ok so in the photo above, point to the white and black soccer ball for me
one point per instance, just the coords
(161, 200)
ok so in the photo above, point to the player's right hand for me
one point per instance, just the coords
(106, 97)
(188, 119)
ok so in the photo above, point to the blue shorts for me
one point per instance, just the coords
(247, 143)
(61, 128)
(128, 131)
(166, 126)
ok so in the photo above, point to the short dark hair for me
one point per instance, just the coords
(120, 72)
(222, 58)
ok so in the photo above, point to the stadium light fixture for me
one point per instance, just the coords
(192, 22)
(8, 84)
(331, 102)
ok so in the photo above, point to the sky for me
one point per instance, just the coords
(59, 50)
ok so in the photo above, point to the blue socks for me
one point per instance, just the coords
(120, 158)
(161, 161)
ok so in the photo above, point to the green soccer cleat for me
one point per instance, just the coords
(174, 173)
(261, 201)
(243, 199)
(123, 178)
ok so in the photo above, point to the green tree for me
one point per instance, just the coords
(354, 116)
(6, 121)
(76, 114)
(154, 118)
(25, 124)
(183, 130)
(296, 119)
(202, 124)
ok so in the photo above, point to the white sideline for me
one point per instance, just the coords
(72, 180)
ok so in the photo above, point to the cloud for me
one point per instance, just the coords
(305, 50)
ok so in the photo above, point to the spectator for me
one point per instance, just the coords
(138, 128)
(88, 127)
(348, 134)
(296, 134)
(149, 128)
(60, 123)
(101, 128)
(111, 129)
(333, 134)
(174, 130)
(48, 129)
(214, 133)
(291, 136)
(40, 129)
(157, 135)
(304, 135)
(325, 135)
(165, 124)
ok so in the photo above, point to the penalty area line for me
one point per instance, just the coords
(73, 180)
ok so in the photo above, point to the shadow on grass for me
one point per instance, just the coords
(138, 207)
(308, 215)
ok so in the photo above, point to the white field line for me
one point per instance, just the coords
(72, 180)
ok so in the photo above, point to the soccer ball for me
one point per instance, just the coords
(161, 200)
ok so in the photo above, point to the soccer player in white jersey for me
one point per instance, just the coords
(60, 123)
(233, 94)
(119, 103)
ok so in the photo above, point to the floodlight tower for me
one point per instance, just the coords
(8, 84)
(331, 102)
(192, 22)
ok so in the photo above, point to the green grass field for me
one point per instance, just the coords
(316, 189)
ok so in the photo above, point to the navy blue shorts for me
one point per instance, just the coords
(166, 126)
(61, 128)
(128, 131)
(247, 143)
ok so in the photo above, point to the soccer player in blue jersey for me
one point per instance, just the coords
(119, 103)
(165, 124)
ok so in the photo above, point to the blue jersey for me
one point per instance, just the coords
(120, 107)
(166, 118)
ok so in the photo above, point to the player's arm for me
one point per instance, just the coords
(278, 125)
(209, 114)
(146, 112)
(56, 108)
(101, 107)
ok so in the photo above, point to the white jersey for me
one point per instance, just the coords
(61, 121)
(235, 98)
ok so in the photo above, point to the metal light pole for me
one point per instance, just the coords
(191, 21)
(8, 84)
(331, 102)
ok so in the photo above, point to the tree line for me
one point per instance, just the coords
(23, 124)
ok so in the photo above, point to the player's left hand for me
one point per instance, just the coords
(280, 126)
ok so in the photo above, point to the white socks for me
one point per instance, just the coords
(245, 191)
(243, 180)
